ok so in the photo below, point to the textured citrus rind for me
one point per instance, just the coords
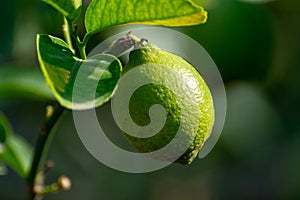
(192, 94)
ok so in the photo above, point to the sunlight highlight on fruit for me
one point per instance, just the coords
(174, 84)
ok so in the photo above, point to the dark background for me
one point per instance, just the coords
(257, 50)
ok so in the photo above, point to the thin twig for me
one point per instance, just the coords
(41, 148)
(66, 31)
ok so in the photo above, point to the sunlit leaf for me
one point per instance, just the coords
(102, 14)
(95, 78)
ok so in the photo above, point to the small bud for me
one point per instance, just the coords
(49, 111)
(38, 189)
(64, 28)
(64, 182)
(49, 164)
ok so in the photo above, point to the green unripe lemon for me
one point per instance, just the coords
(177, 86)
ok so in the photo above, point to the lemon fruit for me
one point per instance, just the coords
(184, 95)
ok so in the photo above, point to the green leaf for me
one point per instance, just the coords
(76, 83)
(23, 82)
(14, 150)
(102, 14)
(17, 153)
(4, 128)
(71, 9)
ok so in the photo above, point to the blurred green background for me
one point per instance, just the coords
(257, 49)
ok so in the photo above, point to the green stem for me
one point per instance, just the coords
(66, 31)
(44, 137)
(81, 45)
(86, 38)
(50, 189)
(41, 148)
(70, 32)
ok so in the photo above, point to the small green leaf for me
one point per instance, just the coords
(14, 150)
(17, 153)
(23, 82)
(71, 9)
(102, 14)
(76, 83)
